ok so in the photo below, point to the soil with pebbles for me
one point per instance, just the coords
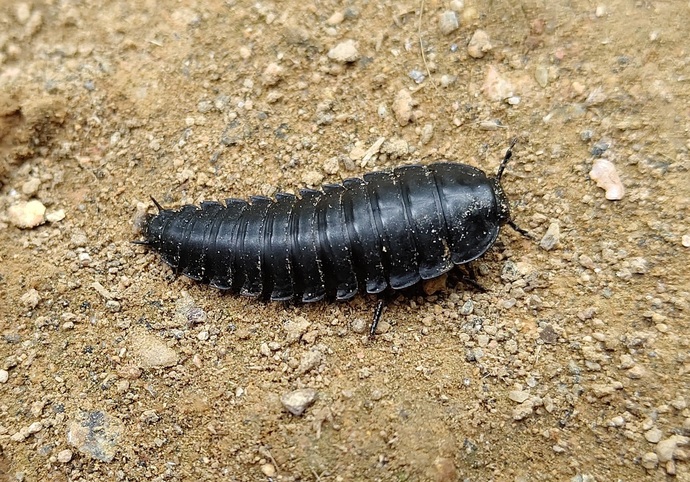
(573, 364)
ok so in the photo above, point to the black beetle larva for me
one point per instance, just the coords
(391, 228)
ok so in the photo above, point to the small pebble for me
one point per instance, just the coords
(272, 74)
(310, 360)
(55, 216)
(312, 178)
(638, 265)
(383, 327)
(30, 187)
(457, 5)
(617, 421)
(596, 97)
(523, 410)
(427, 133)
(552, 237)
(295, 328)
(448, 22)
(268, 470)
(344, 52)
(636, 372)
(513, 100)
(64, 456)
(479, 45)
(298, 401)
(650, 461)
(541, 75)
(685, 240)
(496, 87)
(22, 12)
(4, 376)
(605, 175)
(448, 80)
(467, 308)
(30, 299)
(27, 215)
(152, 352)
(336, 19)
(417, 75)
(654, 435)
(95, 433)
(358, 325)
(665, 449)
(402, 107)
(331, 165)
(601, 146)
(518, 396)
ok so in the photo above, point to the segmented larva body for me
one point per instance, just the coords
(391, 228)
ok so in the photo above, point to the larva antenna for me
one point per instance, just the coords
(504, 162)
(158, 206)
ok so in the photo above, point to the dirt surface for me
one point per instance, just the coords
(573, 365)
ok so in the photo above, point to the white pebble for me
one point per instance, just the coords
(30, 187)
(448, 22)
(344, 52)
(605, 175)
(64, 456)
(55, 216)
(4, 376)
(518, 396)
(650, 460)
(22, 12)
(653, 435)
(30, 299)
(298, 401)
(448, 80)
(268, 470)
(479, 45)
(457, 5)
(685, 240)
(495, 86)
(272, 74)
(35, 427)
(514, 100)
(26, 215)
(336, 18)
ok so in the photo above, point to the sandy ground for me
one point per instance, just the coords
(573, 365)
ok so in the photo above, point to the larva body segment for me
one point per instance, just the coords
(391, 228)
